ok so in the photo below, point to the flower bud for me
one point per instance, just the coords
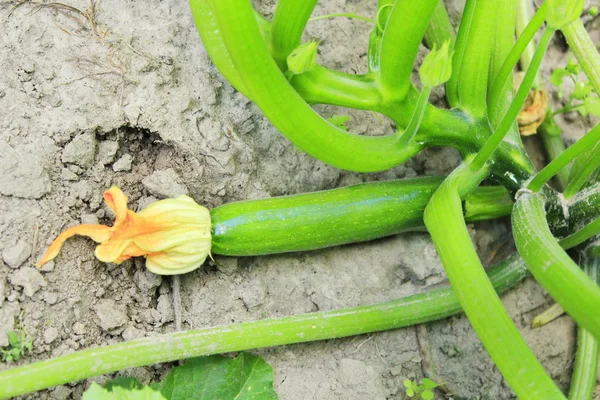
(173, 234)
(437, 66)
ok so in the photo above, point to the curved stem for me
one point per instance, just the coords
(287, 110)
(487, 202)
(498, 334)
(289, 21)
(585, 368)
(503, 127)
(400, 43)
(411, 310)
(585, 51)
(506, 70)
(551, 265)
(579, 147)
(550, 134)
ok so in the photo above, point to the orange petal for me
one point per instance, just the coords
(117, 201)
(98, 233)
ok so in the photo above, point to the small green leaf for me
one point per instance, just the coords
(303, 58)
(572, 66)
(96, 392)
(340, 121)
(408, 383)
(558, 75)
(428, 384)
(13, 339)
(427, 395)
(582, 90)
(124, 382)
(216, 377)
(437, 66)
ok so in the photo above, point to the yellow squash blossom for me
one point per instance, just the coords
(173, 234)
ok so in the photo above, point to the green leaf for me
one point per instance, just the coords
(340, 121)
(216, 377)
(13, 339)
(428, 384)
(303, 58)
(427, 395)
(592, 105)
(558, 75)
(124, 382)
(572, 67)
(96, 392)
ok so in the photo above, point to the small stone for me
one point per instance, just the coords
(165, 308)
(107, 150)
(50, 335)
(83, 189)
(90, 219)
(81, 150)
(131, 333)
(111, 316)
(50, 297)
(165, 183)
(100, 292)
(78, 328)
(48, 267)
(144, 202)
(30, 279)
(146, 281)
(123, 164)
(67, 175)
(15, 256)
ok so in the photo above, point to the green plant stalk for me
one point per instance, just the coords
(578, 148)
(585, 368)
(407, 311)
(478, 204)
(289, 21)
(467, 88)
(502, 45)
(585, 51)
(584, 206)
(550, 133)
(440, 28)
(506, 70)
(406, 136)
(586, 233)
(503, 127)
(498, 334)
(400, 44)
(584, 167)
(551, 265)
(523, 17)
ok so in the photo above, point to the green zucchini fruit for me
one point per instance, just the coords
(322, 219)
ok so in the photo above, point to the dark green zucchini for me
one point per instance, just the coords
(321, 219)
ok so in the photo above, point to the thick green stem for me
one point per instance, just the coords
(289, 21)
(585, 51)
(585, 368)
(488, 202)
(550, 133)
(584, 168)
(400, 43)
(578, 148)
(551, 265)
(440, 28)
(411, 310)
(467, 88)
(503, 127)
(506, 70)
(498, 334)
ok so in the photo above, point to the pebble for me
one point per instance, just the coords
(67, 175)
(50, 335)
(131, 333)
(110, 315)
(123, 164)
(50, 297)
(30, 279)
(15, 256)
(146, 281)
(48, 267)
(78, 328)
(107, 150)
(90, 219)
(165, 183)
(165, 308)
(81, 150)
